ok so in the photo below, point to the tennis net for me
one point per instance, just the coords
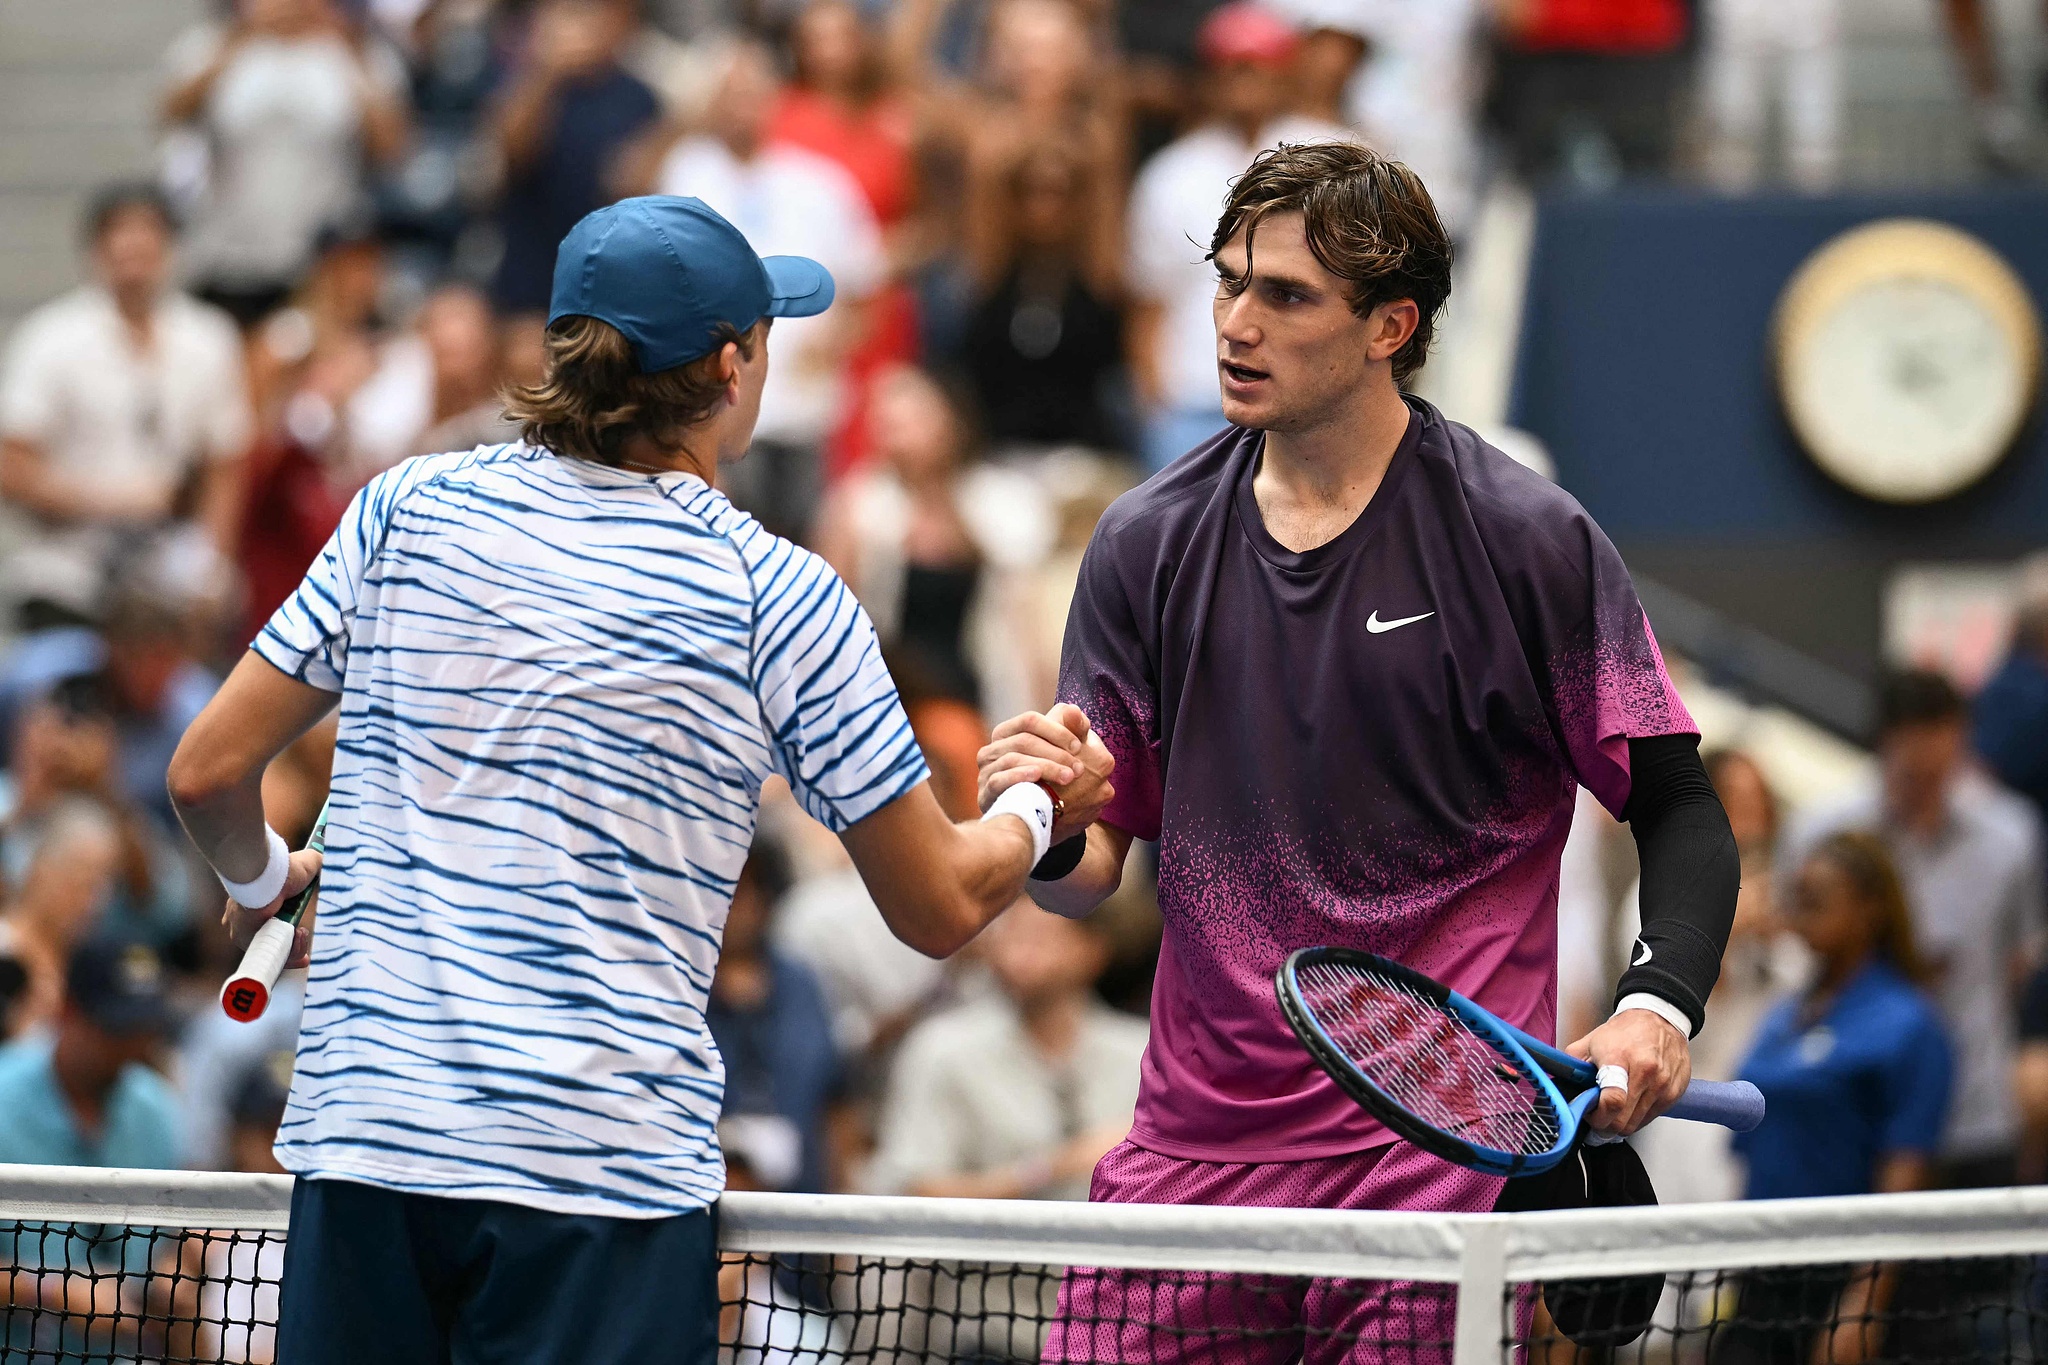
(133, 1266)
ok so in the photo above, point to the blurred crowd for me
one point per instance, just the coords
(347, 256)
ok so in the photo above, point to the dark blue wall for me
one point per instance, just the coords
(1645, 366)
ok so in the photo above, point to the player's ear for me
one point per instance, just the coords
(729, 370)
(1392, 323)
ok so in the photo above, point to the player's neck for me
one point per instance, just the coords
(1338, 461)
(696, 454)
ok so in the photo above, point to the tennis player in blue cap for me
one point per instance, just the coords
(565, 668)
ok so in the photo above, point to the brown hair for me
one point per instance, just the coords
(594, 400)
(1370, 221)
(1865, 861)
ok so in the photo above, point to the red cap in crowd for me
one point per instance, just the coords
(1247, 32)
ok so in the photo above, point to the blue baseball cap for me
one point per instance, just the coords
(666, 271)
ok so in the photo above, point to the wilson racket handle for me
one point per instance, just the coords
(1732, 1104)
(247, 993)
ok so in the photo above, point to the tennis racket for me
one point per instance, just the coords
(247, 993)
(1452, 1078)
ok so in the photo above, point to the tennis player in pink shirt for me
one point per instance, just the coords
(1348, 664)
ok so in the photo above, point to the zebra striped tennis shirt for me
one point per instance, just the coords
(562, 687)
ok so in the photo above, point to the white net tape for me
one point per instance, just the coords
(183, 1268)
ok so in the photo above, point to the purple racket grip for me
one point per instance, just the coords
(1737, 1105)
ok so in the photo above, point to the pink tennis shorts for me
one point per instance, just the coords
(1170, 1317)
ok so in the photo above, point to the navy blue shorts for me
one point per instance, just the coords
(413, 1279)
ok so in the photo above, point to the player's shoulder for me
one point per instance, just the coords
(1518, 512)
(1165, 507)
(71, 315)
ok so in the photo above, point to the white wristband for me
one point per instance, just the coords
(1659, 1006)
(1032, 804)
(262, 889)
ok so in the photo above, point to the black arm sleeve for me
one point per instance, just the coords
(1691, 874)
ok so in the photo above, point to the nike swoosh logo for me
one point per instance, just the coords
(1379, 627)
(1645, 955)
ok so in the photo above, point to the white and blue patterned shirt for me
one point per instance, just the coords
(562, 687)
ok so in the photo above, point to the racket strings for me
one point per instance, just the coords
(1429, 1061)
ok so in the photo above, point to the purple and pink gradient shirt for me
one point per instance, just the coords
(1373, 743)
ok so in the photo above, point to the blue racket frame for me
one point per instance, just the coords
(1733, 1104)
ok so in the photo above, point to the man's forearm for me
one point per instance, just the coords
(938, 883)
(1093, 881)
(1692, 872)
(216, 776)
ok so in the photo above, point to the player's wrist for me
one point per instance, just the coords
(1033, 803)
(1657, 1005)
(266, 885)
(1061, 861)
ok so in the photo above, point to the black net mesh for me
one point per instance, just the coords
(781, 1310)
(96, 1293)
(1962, 1311)
(83, 1292)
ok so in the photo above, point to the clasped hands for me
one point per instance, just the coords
(1058, 748)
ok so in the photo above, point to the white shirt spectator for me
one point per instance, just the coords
(1174, 206)
(870, 977)
(970, 1092)
(76, 384)
(790, 202)
(283, 127)
(1416, 96)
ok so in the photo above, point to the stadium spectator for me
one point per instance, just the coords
(1969, 855)
(935, 544)
(301, 475)
(18, 1007)
(66, 878)
(2030, 1079)
(122, 405)
(1417, 97)
(571, 111)
(154, 683)
(1249, 53)
(442, 367)
(1587, 90)
(2007, 141)
(842, 104)
(1764, 53)
(84, 1094)
(64, 785)
(1044, 342)
(768, 1016)
(1016, 1097)
(2011, 710)
(788, 202)
(1329, 58)
(1856, 1074)
(839, 104)
(293, 103)
(1041, 76)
